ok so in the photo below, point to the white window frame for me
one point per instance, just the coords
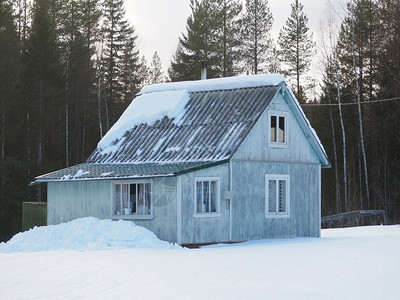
(217, 200)
(276, 178)
(132, 215)
(278, 114)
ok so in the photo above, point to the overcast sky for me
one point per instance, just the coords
(159, 23)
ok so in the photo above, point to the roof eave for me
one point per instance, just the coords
(305, 124)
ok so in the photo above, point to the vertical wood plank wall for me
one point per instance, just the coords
(254, 159)
(70, 200)
(67, 201)
(204, 229)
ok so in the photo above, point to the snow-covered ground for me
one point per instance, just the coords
(352, 263)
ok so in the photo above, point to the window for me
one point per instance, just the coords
(277, 129)
(207, 195)
(277, 195)
(132, 199)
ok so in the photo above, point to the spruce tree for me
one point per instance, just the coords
(182, 65)
(297, 47)
(200, 43)
(120, 59)
(44, 85)
(256, 25)
(228, 34)
(155, 71)
(12, 185)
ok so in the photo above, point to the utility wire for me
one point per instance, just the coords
(352, 103)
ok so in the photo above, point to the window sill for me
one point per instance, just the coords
(277, 216)
(132, 217)
(277, 145)
(208, 215)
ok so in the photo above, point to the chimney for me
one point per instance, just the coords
(203, 70)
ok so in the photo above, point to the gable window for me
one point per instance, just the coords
(207, 196)
(277, 195)
(277, 129)
(132, 199)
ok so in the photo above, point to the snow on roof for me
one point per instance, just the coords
(145, 109)
(226, 83)
(169, 99)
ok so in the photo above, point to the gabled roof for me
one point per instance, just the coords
(174, 127)
(213, 125)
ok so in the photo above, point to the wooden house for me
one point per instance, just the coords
(217, 160)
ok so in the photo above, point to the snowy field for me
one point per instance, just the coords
(106, 260)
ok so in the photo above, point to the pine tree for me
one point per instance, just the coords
(358, 60)
(362, 19)
(256, 24)
(297, 47)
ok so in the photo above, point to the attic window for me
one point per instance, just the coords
(277, 136)
(132, 199)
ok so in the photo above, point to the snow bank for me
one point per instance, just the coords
(216, 83)
(145, 109)
(354, 263)
(85, 234)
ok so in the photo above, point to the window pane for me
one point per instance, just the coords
(117, 200)
(273, 128)
(271, 195)
(198, 197)
(147, 199)
(213, 194)
(125, 199)
(282, 195)
(281, 129)
(206, 196)
(132, 194)
(140, 199)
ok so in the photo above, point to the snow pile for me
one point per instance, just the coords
(145, 109)
(226, 83)
(352, 263)
(85, 234)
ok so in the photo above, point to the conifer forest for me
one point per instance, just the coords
(69, 68)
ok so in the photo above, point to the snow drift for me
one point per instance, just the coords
(85, 234)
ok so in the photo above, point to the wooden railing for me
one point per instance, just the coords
(354, 218)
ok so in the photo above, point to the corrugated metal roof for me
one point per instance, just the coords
(212, 127)
(120, 171)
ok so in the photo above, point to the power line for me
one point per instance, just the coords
(352, 103)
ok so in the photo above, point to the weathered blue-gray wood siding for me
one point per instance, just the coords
(255, 145)
(67, 201)
(70, 200)
(197, 229)
(253, 160)
(248, 205)
(164, 209)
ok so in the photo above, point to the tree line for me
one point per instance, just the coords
(68, 68)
